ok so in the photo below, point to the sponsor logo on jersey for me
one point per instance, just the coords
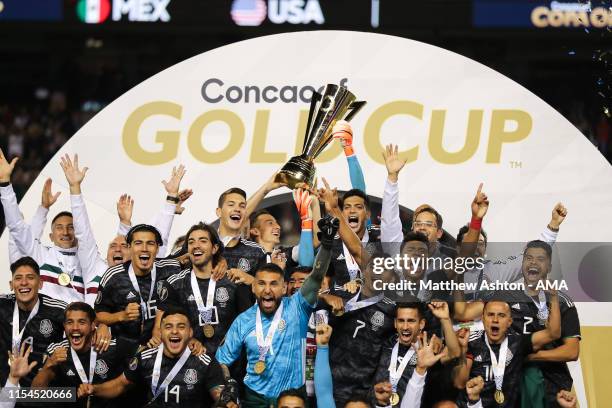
(516, 306)
(191, 298)
(478, 359)
(130, 295)
(221, 295)
(70, 373)
(46, 328)
(191, 377)
(101, 368)
(377, 320)
(244, 264)
(340, 257)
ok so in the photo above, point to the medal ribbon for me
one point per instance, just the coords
(351, 264)
(353, 304)
(157, 368)
(17, 334)
(79, 366)
(205, 310)
(264, 345)
(134, 281)
(395, 371)
(498, 367)
(541, 305)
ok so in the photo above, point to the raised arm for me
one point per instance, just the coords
(20, 232)
(254, 201)
(164, 219)
(343, 131)
(310, 288)
(323, 381)
(38, 222)
(347, 235)
(390, 222)
(479, 207)
(553, 329)
(88, 253)
(509, 270)
(441, 312)
(303, 199)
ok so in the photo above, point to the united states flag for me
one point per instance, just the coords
(249, 12)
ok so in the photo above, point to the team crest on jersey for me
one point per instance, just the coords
(509, 357)
(377, 320)
(244, 264)
(46, 328)
(282, 325)
(221, 295)
(159, 286)
(101, 368)
(134, 363)
(191, 377)
(98, 298)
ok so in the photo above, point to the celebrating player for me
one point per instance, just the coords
(127, 299)
(173, 376)
(28, 318)
(497, 355)
(211, 304)
(74, 361)
(280, 324)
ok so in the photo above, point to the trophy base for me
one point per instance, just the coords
(298, 170)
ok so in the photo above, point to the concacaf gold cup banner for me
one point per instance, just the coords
(236, 114)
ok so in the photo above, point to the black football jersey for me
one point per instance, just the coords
(190, 387)
(246, 255)
(338, 269)
(46, 327)
(519, 347)
(116, 292)
(525, 320)
(230, 300)
(109, 365)
(355, 346)
(382, 372)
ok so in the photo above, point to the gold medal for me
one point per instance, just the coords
(499, 397)
(395, 399)
(63, 279)
(209, 330)
(260, 367)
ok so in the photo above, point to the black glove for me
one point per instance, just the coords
(328, 227)
(229, 393)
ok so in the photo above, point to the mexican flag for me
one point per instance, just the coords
(93, 11)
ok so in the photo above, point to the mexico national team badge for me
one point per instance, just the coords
(282, 325)
(260, 367)
(63, 279)
(244, 264)
(46, 328)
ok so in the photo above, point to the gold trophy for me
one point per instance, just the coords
(336, 103)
